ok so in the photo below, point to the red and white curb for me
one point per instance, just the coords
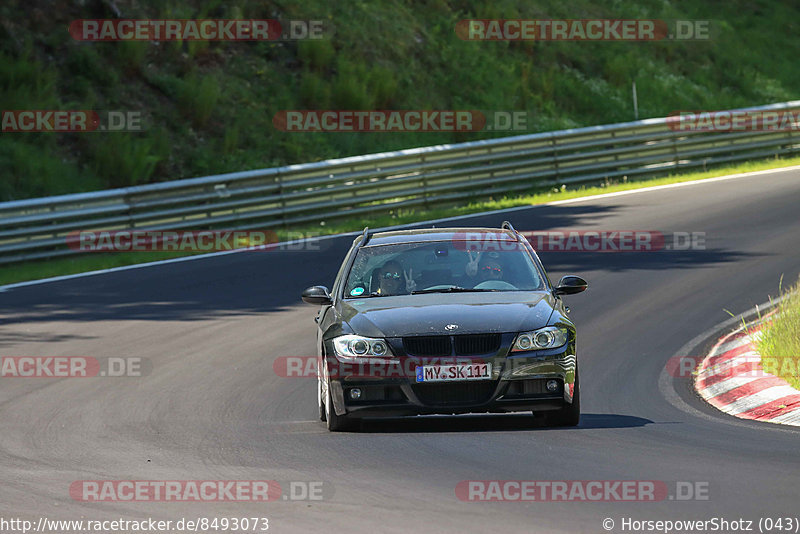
(732, 379)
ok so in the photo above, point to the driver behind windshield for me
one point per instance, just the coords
(395, 281)
(484, 266)
(491, 270)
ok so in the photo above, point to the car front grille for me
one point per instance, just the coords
(431, 346)
(470, 345)
(440, 346)
(443, 394)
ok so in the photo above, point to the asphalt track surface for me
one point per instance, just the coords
(211, 406)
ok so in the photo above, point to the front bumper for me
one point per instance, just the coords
(518, 383)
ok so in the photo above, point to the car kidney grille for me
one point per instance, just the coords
(465, 345)
(472, 392)
(427, 345)
(470, 345)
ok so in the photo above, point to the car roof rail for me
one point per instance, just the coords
(507, 226)
(365, 236)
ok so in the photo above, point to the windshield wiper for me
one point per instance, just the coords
(368, 295)
(450, 289)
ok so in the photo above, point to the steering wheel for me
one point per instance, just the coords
(495, 284)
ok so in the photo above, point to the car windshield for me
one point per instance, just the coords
(441, 266)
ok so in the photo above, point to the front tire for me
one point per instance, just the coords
(336, 423)
(569, 415)
(320, 401)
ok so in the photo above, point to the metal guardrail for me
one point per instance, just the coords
(296, 194)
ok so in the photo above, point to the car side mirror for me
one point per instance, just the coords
(569, 285)
(317, 295)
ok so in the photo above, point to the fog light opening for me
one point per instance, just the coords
(552, 385)
(355, 393)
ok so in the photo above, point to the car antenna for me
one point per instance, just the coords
(507, 226)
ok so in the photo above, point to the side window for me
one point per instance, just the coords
(360, 280)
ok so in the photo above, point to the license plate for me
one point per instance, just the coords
(448, 373)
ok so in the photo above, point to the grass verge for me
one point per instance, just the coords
(779, 344)
(36, 270)
(208, 107)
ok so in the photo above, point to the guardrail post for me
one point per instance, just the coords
(352, 169)
(674, 138)
(491, 172)
(222, 192)
(791, 138)
(279, 178)
(616, 156)
(126, 199)
(555, 157)
(424, 183)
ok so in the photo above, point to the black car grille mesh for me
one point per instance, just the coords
(427, 345)
(465, 345)
(444, 394)
(476, 344)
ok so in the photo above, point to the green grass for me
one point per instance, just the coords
(207, 108)
(94, 261)
(779, 344)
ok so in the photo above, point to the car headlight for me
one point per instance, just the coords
(351, 346)
(550, 337)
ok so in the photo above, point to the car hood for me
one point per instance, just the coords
(410, 315)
